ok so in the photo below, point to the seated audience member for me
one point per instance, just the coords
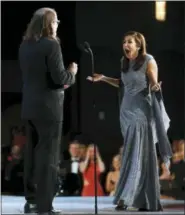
(72, 182)
(178, 169)
(113, 175)
(178, 151)
(16, 154)
(173, 185)
(87, 168)
(165, 181)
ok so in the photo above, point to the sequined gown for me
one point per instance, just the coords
(138, 184)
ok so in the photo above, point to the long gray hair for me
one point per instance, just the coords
(40, 25)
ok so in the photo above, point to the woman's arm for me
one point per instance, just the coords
(101, 165)
(152, 73)
(112, 81)
(99, 77)
(83, 165)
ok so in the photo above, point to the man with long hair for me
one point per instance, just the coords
(44, 79)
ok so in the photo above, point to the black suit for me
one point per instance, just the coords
(43, 76)
(73, 183)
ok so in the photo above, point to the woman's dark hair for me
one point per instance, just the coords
(40, 25)
(141, 43)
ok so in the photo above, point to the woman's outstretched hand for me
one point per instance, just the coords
(95, 78)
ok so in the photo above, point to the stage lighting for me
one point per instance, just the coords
(160, 10)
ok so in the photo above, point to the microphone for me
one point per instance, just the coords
(85, 47)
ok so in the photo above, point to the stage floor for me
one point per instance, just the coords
(85, 205)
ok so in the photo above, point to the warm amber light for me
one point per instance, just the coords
(160, 10)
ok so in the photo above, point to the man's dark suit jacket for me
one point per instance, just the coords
(72, 183)
(44, 77)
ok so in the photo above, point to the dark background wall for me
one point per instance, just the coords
(102, 24)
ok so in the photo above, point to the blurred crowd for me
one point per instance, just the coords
(79, 163)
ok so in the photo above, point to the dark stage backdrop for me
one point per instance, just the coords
(102, 24)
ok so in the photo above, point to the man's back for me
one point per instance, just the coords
(33, 63)
(43, 75)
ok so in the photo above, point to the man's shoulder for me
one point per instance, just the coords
(41, 42)
(49, 42)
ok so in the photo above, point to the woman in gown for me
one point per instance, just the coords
(87, 168)
(141, 126)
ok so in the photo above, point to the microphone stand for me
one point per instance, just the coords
(89, 50)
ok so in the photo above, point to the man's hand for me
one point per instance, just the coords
(73, 67)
